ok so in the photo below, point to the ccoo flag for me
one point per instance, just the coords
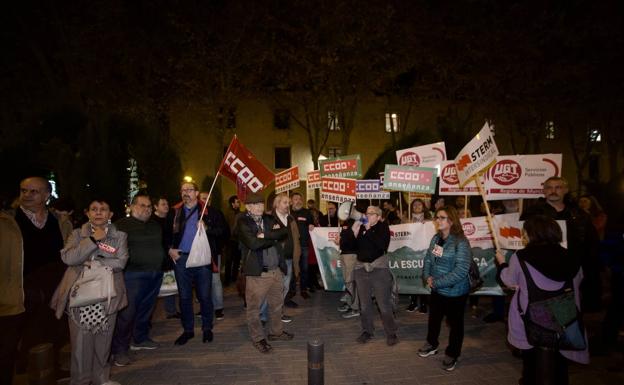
(242, 168)
(479, 154)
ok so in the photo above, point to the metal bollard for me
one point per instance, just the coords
(316, 367)
(41, 365)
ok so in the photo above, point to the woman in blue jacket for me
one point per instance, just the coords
(446, 272)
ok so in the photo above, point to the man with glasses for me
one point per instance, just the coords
(185, 221)
(143, 277)
(373, 276)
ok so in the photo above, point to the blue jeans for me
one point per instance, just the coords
(289, 271)
(202, 277)
(142, 289)
(217, 287)
(171, 307)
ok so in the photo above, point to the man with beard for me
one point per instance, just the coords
(582, 236)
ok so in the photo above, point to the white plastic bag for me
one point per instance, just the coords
(169, 285)
(200, 254)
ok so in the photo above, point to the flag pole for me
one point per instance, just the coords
(216, 177)
(479, 183)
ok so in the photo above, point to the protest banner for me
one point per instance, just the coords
(328, 257)
(408, 246)
(429, 155)
(509, 230)
(449, 183)
(338, 189)
(410, 179)
(287, 180)
(479, 154)
(314, 180)
(520, 176)
(349, 166)
(370, 189)
(241, 167)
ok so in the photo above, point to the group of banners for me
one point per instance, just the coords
(478, 166)
(408, 246)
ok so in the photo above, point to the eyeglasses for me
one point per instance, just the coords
(439, 218)
(187, 190)
(372, 214)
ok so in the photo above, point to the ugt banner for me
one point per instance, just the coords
(411, 179)
(408, 245)
(449, 183)
(241, 167)
(479, 154)
(520, 176)
(287, 180)
(349, 166)
(429, 155)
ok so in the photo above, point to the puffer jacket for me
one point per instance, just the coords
(79, 249)
(450, 271)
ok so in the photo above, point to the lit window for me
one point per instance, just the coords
(334, 152)
(332, 121)
(550, 130)
(392, 122)
(595, 136)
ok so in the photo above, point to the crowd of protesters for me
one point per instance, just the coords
(268, 252)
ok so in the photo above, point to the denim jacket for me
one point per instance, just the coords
(449, 271)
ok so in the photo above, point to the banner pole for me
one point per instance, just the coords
(210, 193)
(520, 205)
(487, 210)
(465, 206)
(401, 204)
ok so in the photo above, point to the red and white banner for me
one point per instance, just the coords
(449, 183)
(429, 155)
(508, 229)
(338, 189)
(479, 154)
(314, 180)
(287, 180)
(241, 167)
(520, 176)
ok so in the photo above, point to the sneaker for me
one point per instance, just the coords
(286, 318)
(392, 340)
(145, 345)
(121, 359)
(219, 314)
(290, 303)
(285, 336)
(262, 346)
(364, 337)
(427, 350)
(412, 306)
(449, 363)
(345, 298)
(351, 314)
(343, 308)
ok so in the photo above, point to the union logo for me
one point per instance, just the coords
(469, 228)
(506, 172)
(409, 159)
(449, 174)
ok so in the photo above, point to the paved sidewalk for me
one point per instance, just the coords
(231, 358)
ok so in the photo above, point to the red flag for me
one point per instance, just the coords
(242, 168)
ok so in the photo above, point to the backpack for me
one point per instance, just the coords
(474, 275)
(551, 319)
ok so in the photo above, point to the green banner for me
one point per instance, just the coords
(410, 179)
(349, 166)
